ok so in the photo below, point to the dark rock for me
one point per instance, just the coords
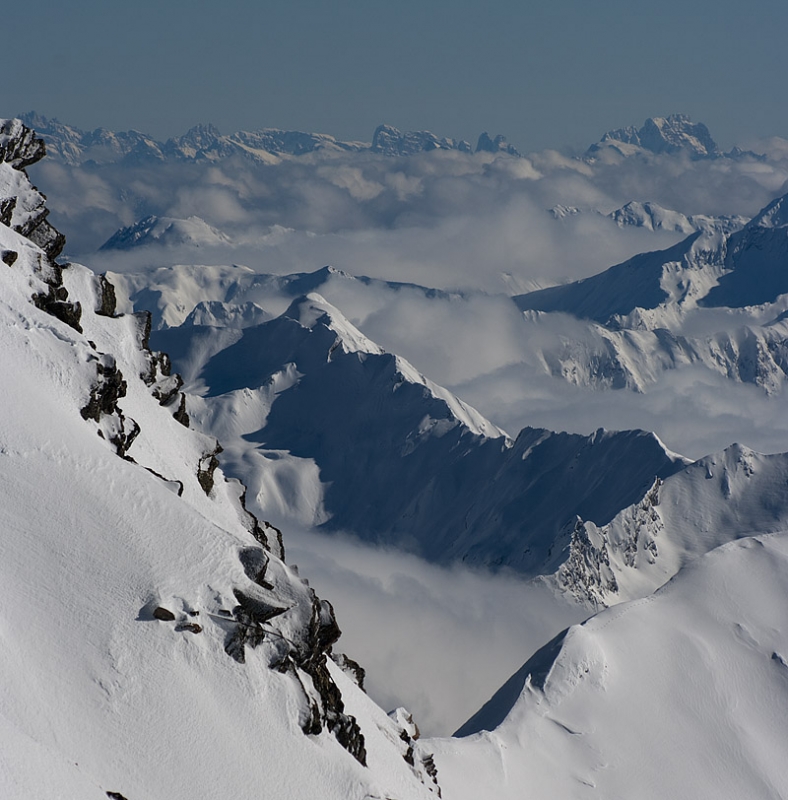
(165, 615)
(115, 796)
(19, 145)
(351, 668)
(192, 627)
(124, 438)
(9, 257)
(181, 415)
(255, 563)
(486, 144)
(107, 300)
(42, 233)
(144, 321)
(7, 206)
(206, 468)
(70, 313)
(104, 396)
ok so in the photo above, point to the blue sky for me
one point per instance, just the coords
(543, 74)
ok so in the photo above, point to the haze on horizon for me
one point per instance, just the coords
(544, 75)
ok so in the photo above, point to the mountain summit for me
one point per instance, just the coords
(673, 134)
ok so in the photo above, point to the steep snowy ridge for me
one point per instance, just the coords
(679, 275)
(155, 644)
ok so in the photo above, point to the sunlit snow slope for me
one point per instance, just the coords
(683, 694)
(153, 643)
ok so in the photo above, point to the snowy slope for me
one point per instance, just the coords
(683, 694)
(232, 692)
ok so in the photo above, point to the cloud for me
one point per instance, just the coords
(693, 410)
(439, 641)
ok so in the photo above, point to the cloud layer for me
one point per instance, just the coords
(437, 641)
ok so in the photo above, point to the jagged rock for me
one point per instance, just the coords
(115, 796)
(7, 206)
(107, 302)
(70, 313)
(673, 134)
(389, 141)
(42, 233)
(207, 466)
(181, 415)
(109, 388)
(163, 614)
(9, 257)
(255, 563)
(19, 145)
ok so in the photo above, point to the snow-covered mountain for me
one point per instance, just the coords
(155, 643)
(681, 694)
(167, 232)
(654, 217)
(673, 134)
(639, 309)
(390, 141)
(205, 143)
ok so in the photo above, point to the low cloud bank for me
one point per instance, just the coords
(442, 219)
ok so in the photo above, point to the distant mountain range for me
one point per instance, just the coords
(70, 145)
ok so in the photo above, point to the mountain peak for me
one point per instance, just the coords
(672, 134)
(313, 309)
(775, 215)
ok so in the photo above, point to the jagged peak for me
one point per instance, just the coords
(672, 134)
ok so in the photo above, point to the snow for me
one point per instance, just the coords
(682, 694)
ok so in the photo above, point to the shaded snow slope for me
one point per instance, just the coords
(683, 694)
(154, 642)
(359, 441)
